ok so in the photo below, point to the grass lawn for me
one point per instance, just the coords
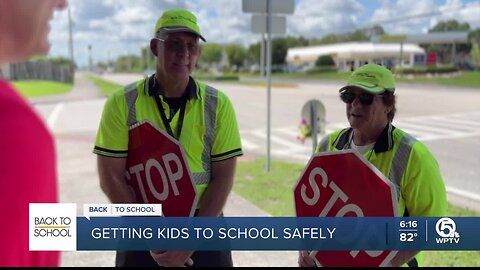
(264, 84)
(106, 87)
(467, 79)
(276, 198)
(328, 75)
(41, 88)
(338, 76)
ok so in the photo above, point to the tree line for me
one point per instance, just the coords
(236, 56)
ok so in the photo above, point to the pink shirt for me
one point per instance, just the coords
(27, 174)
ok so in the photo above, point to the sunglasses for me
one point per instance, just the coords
(178, 46)
(364, 98)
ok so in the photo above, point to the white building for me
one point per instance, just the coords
(358, 53)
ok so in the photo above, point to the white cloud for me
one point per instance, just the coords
(115, 27)
(405, 16)
(455, 10)
(222, 21)
(317, 18)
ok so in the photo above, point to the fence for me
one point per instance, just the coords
(41, 71)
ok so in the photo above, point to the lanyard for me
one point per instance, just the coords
(349, 146)
(166, 123)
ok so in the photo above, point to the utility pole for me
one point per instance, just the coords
(262, 57)
(129, 59)
(108, 61)
(90, 67)
(70, 37)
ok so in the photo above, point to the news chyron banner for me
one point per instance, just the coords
(142, 227)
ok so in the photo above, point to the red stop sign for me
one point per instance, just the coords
(343, 183)
(157, 172)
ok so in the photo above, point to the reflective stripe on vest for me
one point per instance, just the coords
(400, 160)
(210, 124)
(323, 146)
(210, 113)
(130, 96)
(399, 165)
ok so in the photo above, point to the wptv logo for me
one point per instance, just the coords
(52, 226)
(447, 230)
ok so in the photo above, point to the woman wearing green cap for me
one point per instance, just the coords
(196, 115)
(369, 97)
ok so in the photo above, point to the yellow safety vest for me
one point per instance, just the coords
(408, 164)
(204, 109)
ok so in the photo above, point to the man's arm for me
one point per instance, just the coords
(112, 179)
(219, 188)
(403, 257)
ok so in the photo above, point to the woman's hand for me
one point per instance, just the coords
(304, 259)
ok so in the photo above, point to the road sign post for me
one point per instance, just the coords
(314, 113)
(268, 8)
(344, 184)
(158, 173)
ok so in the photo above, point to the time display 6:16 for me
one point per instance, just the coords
(408, 224)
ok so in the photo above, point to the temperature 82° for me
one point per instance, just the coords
(408, 237)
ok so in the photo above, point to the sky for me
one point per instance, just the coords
(119, 27)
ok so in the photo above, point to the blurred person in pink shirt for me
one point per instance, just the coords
(27, 149)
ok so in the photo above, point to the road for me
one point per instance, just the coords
(447, 119)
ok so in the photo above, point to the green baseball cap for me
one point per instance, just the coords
(372, 78)
(178, 20)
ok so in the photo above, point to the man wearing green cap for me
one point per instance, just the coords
(370, 106)
(199, 117)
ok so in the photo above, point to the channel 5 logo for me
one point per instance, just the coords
(446, 229)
